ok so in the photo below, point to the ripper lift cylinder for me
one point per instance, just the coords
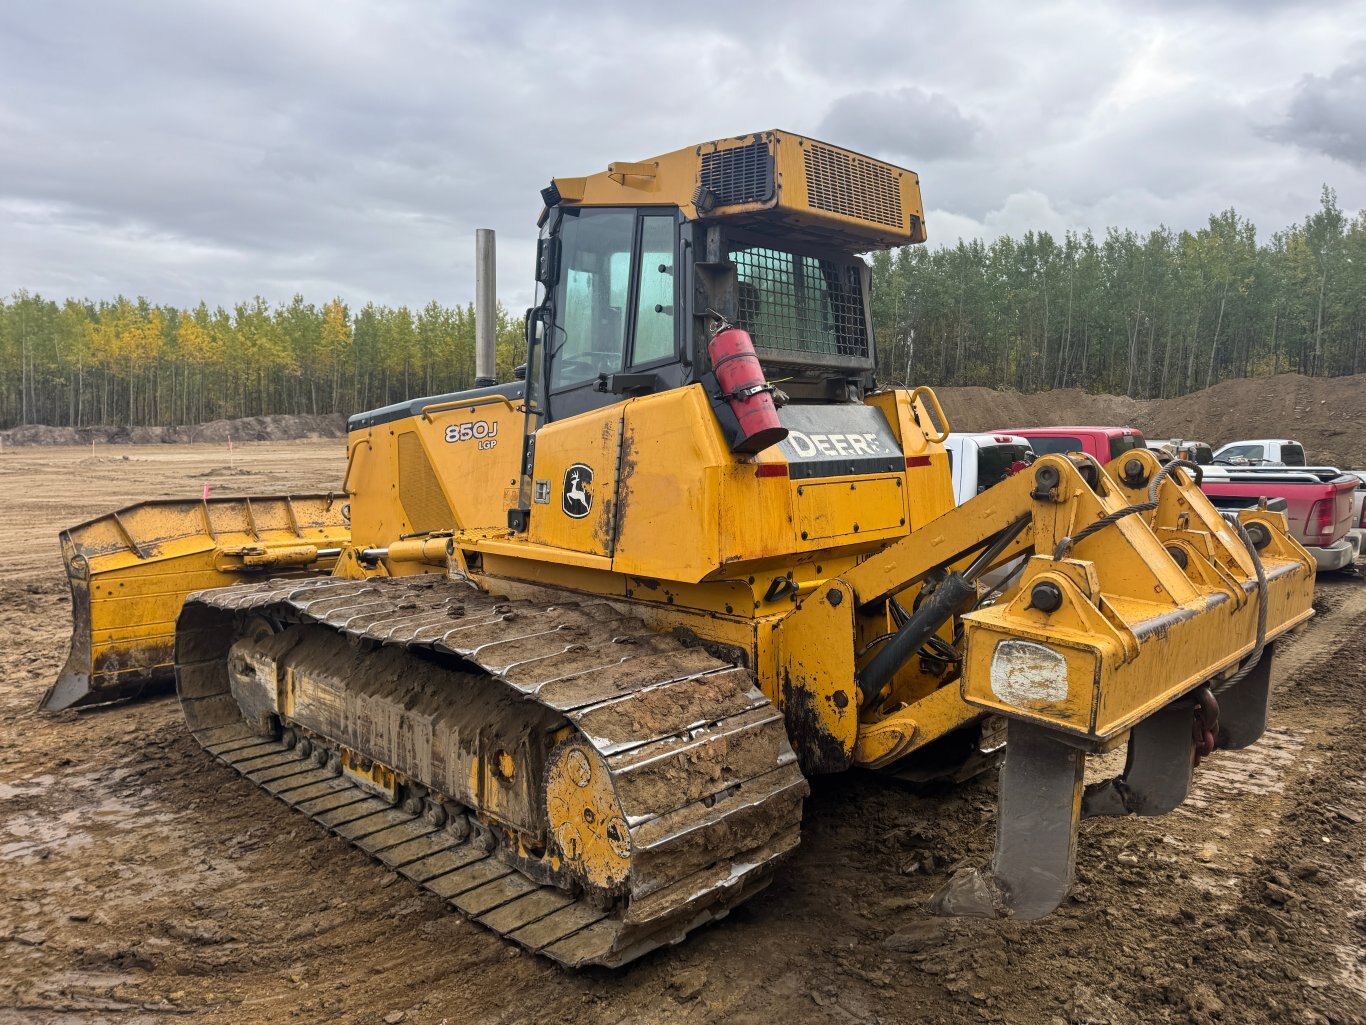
(934, 611)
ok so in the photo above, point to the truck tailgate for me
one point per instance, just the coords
(1319, 512)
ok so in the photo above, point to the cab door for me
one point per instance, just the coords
(614, 303)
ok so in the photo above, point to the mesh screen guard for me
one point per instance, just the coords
(795, 305)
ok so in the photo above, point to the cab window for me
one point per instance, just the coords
(1292, 455)
(654, 339)
(615, 295)
(995, 462)
(1050, 446)
(1242, 454)
(595, 281)
(1125, 443)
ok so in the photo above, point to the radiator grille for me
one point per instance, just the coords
(740, 175)
(790, 303)
(842, 183)
(424, 503)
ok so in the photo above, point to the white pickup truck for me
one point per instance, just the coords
(1261, 452)
(980, 460)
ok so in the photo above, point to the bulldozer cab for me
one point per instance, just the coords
(636, 264)
(632, 294)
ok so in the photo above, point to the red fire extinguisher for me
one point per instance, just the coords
(749, 396)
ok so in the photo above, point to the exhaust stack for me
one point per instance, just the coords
(485, 308)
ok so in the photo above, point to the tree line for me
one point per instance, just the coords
(126, 361)
(1147, 315)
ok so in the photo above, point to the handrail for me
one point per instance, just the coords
(351, 458)
(440, 407)
(932, 400)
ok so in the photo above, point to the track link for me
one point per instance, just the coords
(698, 758)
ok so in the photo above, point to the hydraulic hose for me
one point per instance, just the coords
(936, 609)
(1065, 546)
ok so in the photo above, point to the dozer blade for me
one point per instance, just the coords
(130, 571)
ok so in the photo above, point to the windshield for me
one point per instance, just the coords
(793, 304)
(615, 294)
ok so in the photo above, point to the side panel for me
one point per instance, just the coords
(929, 480)
(672, 461)
(574, 485)
(447, 469)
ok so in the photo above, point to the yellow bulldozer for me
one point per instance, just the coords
(563, 650)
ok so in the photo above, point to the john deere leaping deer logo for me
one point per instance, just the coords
(577, 497)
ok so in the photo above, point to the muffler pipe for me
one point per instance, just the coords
(485, 309)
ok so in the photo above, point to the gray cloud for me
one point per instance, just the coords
(1325, 113)
(904, 122)
(195, 150)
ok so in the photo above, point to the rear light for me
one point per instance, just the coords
(1320, 523)
(917, 461)
(1361, 521)
(771, 470)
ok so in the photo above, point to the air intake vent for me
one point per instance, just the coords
(424, 503)
(842, 183)
(740, 175)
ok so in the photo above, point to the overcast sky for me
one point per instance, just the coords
(219, 151)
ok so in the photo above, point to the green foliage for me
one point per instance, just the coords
(129, 362)
(1147, 315)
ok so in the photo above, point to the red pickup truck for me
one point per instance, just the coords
(1317, 499)
(1105, 443)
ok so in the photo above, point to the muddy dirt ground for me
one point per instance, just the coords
(142, 882)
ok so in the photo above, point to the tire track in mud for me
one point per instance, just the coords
(1304, 837)
(1338, 623)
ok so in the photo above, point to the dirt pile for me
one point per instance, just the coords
(251, 428)
(1326, 414)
